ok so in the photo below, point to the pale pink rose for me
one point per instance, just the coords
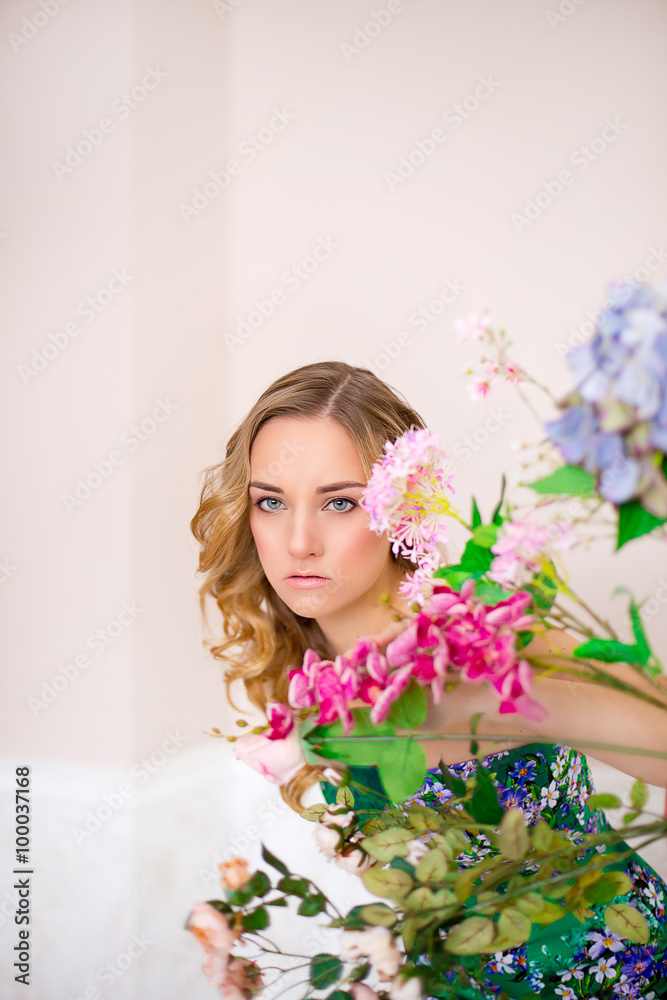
(276, 760)
(234, 873)
(230, 991)
(416, 850)
(243, 979)
(215, 966)
(361, 992)
(331, 775)
(210, 927)
(327, 839)
(403, 988)
(353, 945)
(354, 862)
(341, 819)
(378, 945)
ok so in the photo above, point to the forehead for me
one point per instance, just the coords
(287, 446)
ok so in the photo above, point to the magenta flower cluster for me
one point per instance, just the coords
(454, 635)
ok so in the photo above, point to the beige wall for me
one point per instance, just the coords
(316, 126)
(332, 100)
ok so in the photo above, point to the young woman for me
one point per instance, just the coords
(291, 564)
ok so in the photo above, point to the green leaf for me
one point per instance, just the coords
(541, 836)
(388, 883)
(344, 797)
(329, 741)
(455, 576)
(609, 651)
(607, 886)
(513, 839)
(409, 710)
(638, 631)
(259, 883)
(650, 661)
(379, 915)
(639, 794)
(256, 920)
(276, 902)
(275, 862)
(456, 785)
(624, 920)
(544, 588)
(432, 867)
(569, 479)
(422, 898)
(513, 927)
(339, 995)
(634, 521)
(313, 813)
(294, 886)
(324, 970)
(311, 905)
(219, 905)
(496, 517)
(491, 593)
(603, 800)
(485, 535)
(476, 557)
(423, 818)
(239, 897)
(484, 805)
(402, 768)
(471, 937)
(388, 844)
(475, 517)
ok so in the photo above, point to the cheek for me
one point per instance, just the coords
(365, 548)
(261, 542)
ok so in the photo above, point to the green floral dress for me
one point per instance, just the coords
(567, 959)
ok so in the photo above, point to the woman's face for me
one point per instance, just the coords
(306, 479)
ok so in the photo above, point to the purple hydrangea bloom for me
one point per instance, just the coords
(614, 423)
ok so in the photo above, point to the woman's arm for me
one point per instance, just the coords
(591, 711)
(580, 711)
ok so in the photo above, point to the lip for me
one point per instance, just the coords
(307, 582)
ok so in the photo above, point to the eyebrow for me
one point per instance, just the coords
(332, 488)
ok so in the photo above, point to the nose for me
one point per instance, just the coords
(304, 538)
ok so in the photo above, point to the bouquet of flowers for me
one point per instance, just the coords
(450, 909)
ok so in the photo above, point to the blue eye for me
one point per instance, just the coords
(341, 510)
(258, 503)
(345, 500)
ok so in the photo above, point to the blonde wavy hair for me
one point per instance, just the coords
(271, 637)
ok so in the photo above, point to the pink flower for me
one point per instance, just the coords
(300, 693)
(513, 373)
(361, 992)
(514, 690)
(215, 966)
(521, 546)
(405, 988)
(234, 873)
(243, 979)
(353, 861)
(277, 760)
(210, 927)
(472, 327)
(405, 493)
(479, 388)
(398, 683)
(281, 720)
